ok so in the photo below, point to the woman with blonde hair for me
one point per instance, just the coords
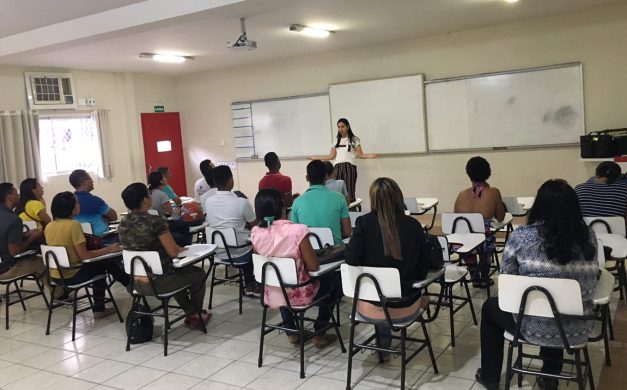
(386, 237)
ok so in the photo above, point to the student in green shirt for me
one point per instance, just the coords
(321, 207)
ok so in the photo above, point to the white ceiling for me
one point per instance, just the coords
(107, 35)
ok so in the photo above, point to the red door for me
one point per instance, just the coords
(163, 146)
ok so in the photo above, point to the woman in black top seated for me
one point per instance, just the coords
(386, 237)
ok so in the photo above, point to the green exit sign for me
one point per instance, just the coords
(159, 108)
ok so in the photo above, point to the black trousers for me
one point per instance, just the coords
(494, 322)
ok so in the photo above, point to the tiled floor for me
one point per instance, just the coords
(225, 358)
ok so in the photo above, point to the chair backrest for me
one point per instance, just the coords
(600, 254)
(566, 294)
(389, 281)
(30, 225)
(512, 206)
(227, 233)
(445, 252)
(354, 215)
(150, 257)
(59, 252)
(613, 225)
(325, 235)
(459, 223)
(87, 229)
(153, 212)
(355, 203)
(412, 205)
(285, 265)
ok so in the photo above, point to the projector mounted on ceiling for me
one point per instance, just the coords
(242, 43)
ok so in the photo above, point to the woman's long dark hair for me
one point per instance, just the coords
(351, 136)
(562, 227)
(27, 188)
(386, 199)
(268, 203)
(154, 180)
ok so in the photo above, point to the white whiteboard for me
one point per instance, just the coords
(387, 115)
(290, 127)
(530, 108)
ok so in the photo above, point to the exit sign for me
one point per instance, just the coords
(159, 108)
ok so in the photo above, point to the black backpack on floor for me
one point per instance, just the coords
(139, 327)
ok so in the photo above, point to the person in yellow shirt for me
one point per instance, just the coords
(65, 231)
(32, 206)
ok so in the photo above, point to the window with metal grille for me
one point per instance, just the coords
(67, 143)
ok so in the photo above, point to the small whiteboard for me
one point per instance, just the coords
(291, 127)
(533, 107)
(387, 114)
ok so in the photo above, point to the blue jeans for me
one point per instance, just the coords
(246, 262)
(329, 284)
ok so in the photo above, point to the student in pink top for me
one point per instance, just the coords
(276, 236)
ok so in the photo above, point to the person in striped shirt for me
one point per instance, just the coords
(605, 196)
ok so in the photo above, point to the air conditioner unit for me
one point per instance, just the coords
(49, 91)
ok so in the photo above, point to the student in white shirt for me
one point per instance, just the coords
(205, 183)
(226, 210)
(344, 153)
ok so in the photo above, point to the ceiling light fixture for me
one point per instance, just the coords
(171, 58)
(511, 1)
(311, 32)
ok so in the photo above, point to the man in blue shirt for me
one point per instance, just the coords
(94, 210)
(321, 207)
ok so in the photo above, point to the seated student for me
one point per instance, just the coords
(333, 184)
(605, 196)
(274, 236)
(140, 231)
(202, 185)
(160, 200)
(66, 231)
(32, 206)
(13, 240)
(321, 207)
(555, 243)
(93, 210)
(386, 237)
(212, 190)
(227, 210)
(483, 199)
(274, 179)
(168, 189)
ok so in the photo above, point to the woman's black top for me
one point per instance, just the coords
(365, 248)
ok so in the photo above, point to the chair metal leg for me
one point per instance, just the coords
(19, 294)
(586, 356)
(213, 281)
(336, 326)
(351, 346)
(606, 342)
(519, 359)
(472, 307)
(429, 347)
(449, 294)
(49, 310)
(131, 319)
(580, 378)
(301, 331)
(6, 306)
(166, 329)
(610, 326)
(263, 335)
(74, 301)
(403, 357)
(41, 290)
(509, 373)
(240, 277)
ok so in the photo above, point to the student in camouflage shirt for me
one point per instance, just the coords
(140, 231)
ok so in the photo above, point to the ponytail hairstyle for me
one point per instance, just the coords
(351, 135)
(268, 206)
(386, 199)
(154, 180)
(27, 193)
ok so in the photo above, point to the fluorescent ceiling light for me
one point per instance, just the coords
(511, 1)
(311, 32)
(171, 58)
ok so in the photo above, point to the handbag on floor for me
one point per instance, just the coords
(139, 327)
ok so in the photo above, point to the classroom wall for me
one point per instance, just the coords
(597, 38)
(125, 95)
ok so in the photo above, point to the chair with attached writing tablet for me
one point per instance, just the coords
(148, 264)
(355, 205)
(615, 228)
(383, 285)
(280, 273)
(415, 207)
(226, 240)
(558, 299)
(56, 258)
(601, 299)
(319, 237)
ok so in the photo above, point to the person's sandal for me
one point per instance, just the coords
(479, 379)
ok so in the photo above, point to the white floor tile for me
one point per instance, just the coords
(275, 378)
(135, 378)
(101, 372)
(34, 381)
(172, 381)
(238, 374)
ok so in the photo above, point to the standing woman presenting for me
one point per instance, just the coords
(343, 154)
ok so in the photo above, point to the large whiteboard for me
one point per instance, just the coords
(291, 127)
(386, 114)
(524, 108)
